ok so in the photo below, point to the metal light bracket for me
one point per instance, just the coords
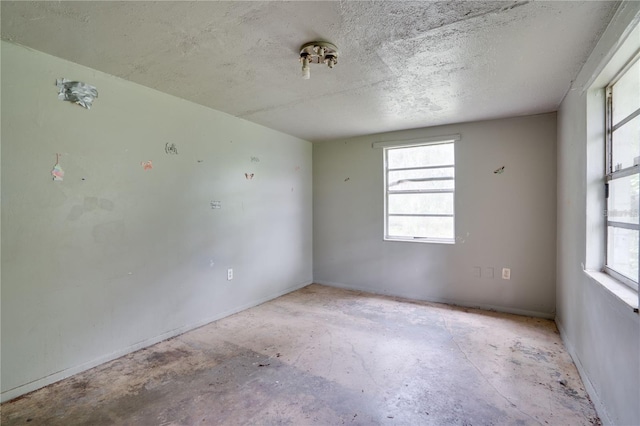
(317, 52)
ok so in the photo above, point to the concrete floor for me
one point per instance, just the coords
(326, 356)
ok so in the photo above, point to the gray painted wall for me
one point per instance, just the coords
(502, 220)
(600, 330)
(115, 257)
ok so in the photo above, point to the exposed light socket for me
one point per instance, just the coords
(229, 274)
(506, 273)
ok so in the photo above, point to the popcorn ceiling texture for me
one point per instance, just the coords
(402, 64)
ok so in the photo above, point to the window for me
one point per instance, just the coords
(419, 192)
(622, 156)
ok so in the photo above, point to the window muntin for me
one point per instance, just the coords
(415, 228)
(625, 147)
(623, 199)
(419, 192)
(618, 259)
(627, 88)
(623, 153)
(412, 179)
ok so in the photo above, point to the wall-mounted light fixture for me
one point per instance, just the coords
(317, 52)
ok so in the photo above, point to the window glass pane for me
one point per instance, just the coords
(623, 199)
(426, 162)
(626, 144)
(626, 94)
(416, 156)
(622, 251)
(420, 203)
(410, 179)
(421, 227)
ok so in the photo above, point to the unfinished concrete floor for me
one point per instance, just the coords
(326, 356)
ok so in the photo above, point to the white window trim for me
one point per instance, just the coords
(616, 288)
(407, 144)
(417, 142)
(610, 173)
(593, 87)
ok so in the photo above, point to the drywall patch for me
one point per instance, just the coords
(216, 204)
(255, 159)
(106, 204)
(90, 203)
(109, 233)
(75, 213)
(489, 272)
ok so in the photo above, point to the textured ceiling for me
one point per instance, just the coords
(402, 64)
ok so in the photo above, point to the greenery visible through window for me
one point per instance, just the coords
(623, 153)
(419, 197)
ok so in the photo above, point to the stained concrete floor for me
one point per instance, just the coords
(326, 356)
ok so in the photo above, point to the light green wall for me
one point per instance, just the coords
(502, 220)
(600, 330)
(114, 257)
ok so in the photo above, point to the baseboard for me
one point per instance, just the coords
(466, 304)
(63, 374)
(591, 390)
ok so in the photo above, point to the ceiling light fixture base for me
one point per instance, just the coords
(317, 52)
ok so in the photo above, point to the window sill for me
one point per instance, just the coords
(419, 240)
(615, 287)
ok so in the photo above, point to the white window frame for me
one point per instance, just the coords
(410, 144)
(610, 171)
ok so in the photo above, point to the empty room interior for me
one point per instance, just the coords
(340, 212)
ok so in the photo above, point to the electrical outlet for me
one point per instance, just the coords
(229, 274)
(506, 273)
